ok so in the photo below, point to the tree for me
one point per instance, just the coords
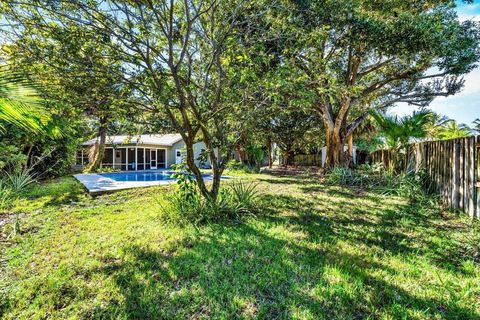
(20, 104)
(363, 55)
(180, 57)
(86, 77)
(400, 132)
(476, 128)
(454, 131)
(438, 123)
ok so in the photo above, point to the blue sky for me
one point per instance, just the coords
(464, 107)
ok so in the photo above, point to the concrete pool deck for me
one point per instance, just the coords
(97, 183)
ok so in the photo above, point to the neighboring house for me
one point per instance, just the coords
(141, 152)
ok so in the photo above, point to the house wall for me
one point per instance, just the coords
(197, 150)
(169, 153)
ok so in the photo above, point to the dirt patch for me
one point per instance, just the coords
(7, 221)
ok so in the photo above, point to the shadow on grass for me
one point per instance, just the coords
(256, 270)
(401, 229)
(304, 257)
(242, 271)
(57, 192)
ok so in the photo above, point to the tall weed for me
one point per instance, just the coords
(412, 185)
(20, 180)
(185, 204)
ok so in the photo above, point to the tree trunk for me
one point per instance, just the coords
(98, 151)
(29, 153)
(216, 171)
(334, 144)
(241, 155)
(288, 155)
(350, 150)
(269, 150)
(335, 154)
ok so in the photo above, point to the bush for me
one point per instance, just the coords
(5, 195)
(349, 177)
(237, 166)
(245, 195)
(187, 205)
(20, 180)
(10, 187)
(413, 185)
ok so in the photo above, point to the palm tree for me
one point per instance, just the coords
(20, 105)
(400, 132)
(439, 122)
(476, 128)
(454, 131)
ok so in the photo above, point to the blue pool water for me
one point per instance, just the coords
(140, 176)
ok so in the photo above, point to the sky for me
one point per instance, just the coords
(464, 107)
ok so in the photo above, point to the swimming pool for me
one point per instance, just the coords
(97, 183)
(139, 176)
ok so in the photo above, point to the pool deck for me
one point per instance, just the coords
(97, 184)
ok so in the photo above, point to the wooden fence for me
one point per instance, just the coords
(307, 160)
(452, 167)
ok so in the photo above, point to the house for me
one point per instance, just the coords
(140, 152)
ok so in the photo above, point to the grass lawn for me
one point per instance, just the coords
(313, 252)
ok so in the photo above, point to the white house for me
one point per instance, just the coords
(141, 152)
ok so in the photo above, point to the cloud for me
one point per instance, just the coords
(469, 12)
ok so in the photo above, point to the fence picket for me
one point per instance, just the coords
(452, 167)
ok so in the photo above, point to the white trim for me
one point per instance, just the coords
(166, 158)
(153, 151)
(136, 159)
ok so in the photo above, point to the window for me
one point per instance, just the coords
(140, 159)
(179, 153)
(81, 157)
(161, 158)
(108, 158)
(131, 159)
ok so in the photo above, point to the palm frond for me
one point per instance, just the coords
(21, 105)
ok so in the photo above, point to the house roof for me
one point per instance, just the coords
(154, 139)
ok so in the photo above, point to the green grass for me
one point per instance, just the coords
(313, 252)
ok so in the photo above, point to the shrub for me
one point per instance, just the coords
(5, 195)
(20, 180)
(13, 184)
(237, 166)
(345, 176)
(245, 195)
(187, 205)
(413, 185)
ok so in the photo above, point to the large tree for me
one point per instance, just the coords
(74, 69)
(177, 55)
(362, 55)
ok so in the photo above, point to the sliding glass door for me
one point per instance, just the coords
(153, 158)
(135, 158)
(131, 159)
(161, 153)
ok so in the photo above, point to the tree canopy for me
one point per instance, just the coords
(238, 74)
